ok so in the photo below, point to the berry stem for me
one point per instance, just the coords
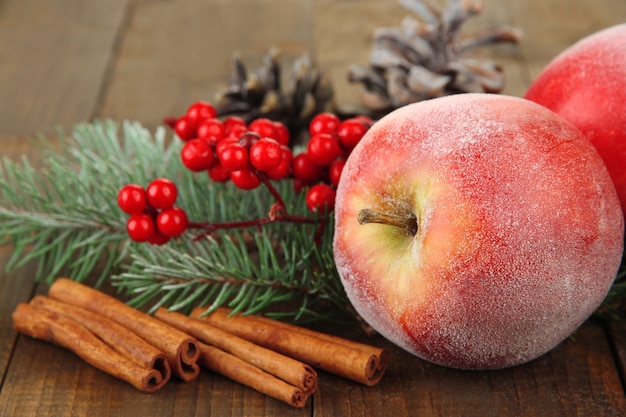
(212, 227)
(277, 213)
(270, 187)
(408, 223)
(170, 121)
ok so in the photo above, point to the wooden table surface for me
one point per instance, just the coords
(69, 61)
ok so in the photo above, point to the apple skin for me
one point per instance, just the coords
(520, 230)
(586, 84)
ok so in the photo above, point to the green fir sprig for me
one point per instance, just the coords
(65, 215)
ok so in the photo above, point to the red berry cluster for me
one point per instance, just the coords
(153, 216)
(248, 154)
(243, 153)
(320, 166)
(231, 149)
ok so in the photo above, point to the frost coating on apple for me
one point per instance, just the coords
(586, 85)
(512, 232)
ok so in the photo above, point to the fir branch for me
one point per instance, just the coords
(65, 216)
(248, 270)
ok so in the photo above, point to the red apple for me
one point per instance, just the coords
(586, 84)
(476, 231)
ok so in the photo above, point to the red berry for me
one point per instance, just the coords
(323, 149)
(218, 173)
(185, 128)
(264, 127)
(284, 168)
(233, 157)
(197, 155)
(265, 154)
(162, 193)
(158, 238)
(366, 120)
(172, 222)
(350, 133)
(281, 171)
(287, 154)
(199, 111)
(306, 170)
(298, 185)
(211, 130)
(223, 144)
(245, 179)
(140, 227)
(132, 199)
(282, 133)
(234, 123)
(236, 132)
(248, 139)
(335, 170)
(321, 198)
(324, 123)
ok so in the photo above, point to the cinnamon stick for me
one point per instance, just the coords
(247, 374)
(66, 332)
(379, 362)
(181, 350)
(289, 370)
(355, 361)
(116, 336)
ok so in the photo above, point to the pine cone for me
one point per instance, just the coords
(423, 59)
(258, 93)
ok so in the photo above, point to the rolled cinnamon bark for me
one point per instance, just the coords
(59, 329)
(247, 374)
(289, 370)
(115, 335)
(181, 350)
(366, 366)
(378, 361)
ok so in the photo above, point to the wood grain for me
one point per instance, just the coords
(551, 26)
(54, 58)
(45, 380)
(174, 53)
(578, 378)
(15, 287)
(69, 61)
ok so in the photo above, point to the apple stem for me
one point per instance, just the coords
(408, 223)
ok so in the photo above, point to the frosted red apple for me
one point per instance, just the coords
(500, 233)
(586, 84)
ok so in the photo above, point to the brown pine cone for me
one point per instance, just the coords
(258, 93)
(423, 59)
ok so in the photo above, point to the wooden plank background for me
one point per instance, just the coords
(69, 61)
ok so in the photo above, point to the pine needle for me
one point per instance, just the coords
(64, 216)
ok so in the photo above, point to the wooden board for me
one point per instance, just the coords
(578, 378)
(72, 60)
(15, 287)
(54, 61)
(178, 52)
